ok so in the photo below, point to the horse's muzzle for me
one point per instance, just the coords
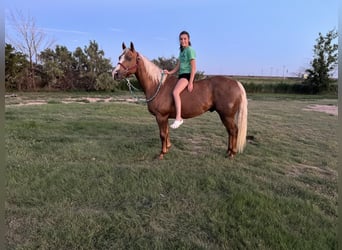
(116, 75)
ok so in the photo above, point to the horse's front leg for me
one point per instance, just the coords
(164, 135)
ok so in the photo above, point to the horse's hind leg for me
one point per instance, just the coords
(232, 129)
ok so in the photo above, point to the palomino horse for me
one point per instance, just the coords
(218, 93)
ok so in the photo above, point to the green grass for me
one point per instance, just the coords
(84, 176)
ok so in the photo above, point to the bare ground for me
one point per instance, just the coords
(14, 100)
(329, 109)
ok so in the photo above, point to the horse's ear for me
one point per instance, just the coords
(123, 46)
(132, 47)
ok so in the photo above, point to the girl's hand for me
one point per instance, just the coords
(165, 71)
(190, 86)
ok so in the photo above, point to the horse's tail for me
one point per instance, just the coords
(242, 121)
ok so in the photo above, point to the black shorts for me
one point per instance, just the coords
(186, 76)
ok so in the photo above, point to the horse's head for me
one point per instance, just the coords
(128, 63)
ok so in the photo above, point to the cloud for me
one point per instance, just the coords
(77, 32)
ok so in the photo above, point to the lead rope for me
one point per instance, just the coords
(131, 88)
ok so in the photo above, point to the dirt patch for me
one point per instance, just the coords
(317, 179)
(196, 147)
(300, 169)
(15, 101)
(30, 103)
(87, 100)
(329, 109)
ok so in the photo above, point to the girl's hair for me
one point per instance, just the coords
(184, 33)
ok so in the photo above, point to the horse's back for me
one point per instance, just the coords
(208, 82)
(225, 82)
(223, 86)
(227, 93)
(211, 93)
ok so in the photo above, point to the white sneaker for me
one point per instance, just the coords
(176, 124)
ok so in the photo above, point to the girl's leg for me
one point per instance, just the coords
(181, 85)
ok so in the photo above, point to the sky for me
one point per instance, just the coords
(240, 37)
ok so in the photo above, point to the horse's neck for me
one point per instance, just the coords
(148, 75)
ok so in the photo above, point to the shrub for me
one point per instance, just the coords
(105, 82)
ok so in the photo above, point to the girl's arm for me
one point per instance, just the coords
(172, 71)
(192, 75)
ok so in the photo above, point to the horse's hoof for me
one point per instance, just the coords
(230, 154)
(161, 156)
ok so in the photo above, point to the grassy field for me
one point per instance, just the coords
(84, 176)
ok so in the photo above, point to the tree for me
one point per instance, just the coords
(324, 62)
(15, 68)
(92, 63)
(29, 40)
(93, 56)
(67, 64)
(58, 67)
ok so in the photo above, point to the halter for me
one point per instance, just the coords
(127, 69)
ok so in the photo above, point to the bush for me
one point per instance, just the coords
(286, 88)
(253, 88)
(105, 82)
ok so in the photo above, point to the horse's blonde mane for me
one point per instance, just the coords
(153, 71)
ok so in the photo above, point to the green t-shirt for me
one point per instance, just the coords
(185, 57)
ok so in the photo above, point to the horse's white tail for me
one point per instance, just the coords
(242, 121)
